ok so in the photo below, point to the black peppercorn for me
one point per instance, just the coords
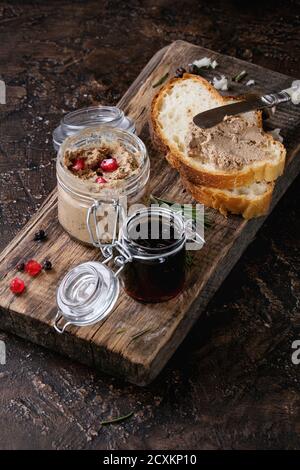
(179, 72)
(47, 265)
(39, 236)
(21, 266)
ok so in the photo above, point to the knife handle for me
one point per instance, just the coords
(273, 99)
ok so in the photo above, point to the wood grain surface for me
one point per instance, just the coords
(136, 340)
(232, 381)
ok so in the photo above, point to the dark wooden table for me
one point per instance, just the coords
(232, 383)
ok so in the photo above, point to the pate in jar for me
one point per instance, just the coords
(99, 166)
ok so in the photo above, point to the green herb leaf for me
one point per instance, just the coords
(117, 420)
(239, 76)
(196, 70)
(161, 80)
(121, 330)
(189, 260)
(139, 334)
(191, 213)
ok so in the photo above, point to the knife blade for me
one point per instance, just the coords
(213, 116)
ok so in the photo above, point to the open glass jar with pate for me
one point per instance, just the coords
(148, 257)
(99, 164)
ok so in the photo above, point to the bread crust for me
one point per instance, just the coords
(224, 201)
(264, 171)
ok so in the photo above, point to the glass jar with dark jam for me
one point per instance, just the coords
(155, 239)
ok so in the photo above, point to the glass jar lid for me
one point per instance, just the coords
(86, 295)
(84, 118)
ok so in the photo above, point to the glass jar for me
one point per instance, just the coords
(87, 294)
(77, 121)
(75, 196)
(150, 256)
(155, 239)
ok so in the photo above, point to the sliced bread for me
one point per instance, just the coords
(171, 120)
(249, 201)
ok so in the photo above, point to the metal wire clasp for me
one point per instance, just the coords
(121, 259)
(57, 319)
(106, 248)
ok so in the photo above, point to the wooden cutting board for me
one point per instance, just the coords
(136, 340)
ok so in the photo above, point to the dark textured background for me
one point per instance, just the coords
(232, 383)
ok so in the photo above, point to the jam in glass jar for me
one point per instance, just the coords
(155, 239)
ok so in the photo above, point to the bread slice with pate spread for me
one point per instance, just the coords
(234, 153)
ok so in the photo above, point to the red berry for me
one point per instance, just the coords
(17, 285)
(79, 164)
(33, 268)
(109, 164)
(100, 180)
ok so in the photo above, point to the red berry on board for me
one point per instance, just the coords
(17, 285)
(109, 164)
(33, 268)
(79, 164)
(100, 180)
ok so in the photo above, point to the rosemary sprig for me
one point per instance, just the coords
(121, 330)
(190, 213)
(196, 70)
(161, 80)
(237, 78)
(189, 260)
(139, 334)
(119, 419)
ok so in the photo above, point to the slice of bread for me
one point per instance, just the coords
(171, 114)
(249, 201)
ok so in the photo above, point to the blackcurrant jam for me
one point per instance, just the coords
(155, 239)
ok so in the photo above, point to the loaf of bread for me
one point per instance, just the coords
(214, 163)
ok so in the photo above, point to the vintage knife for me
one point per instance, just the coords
(213, 116)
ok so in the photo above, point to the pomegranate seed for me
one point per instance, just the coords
(100, 180)
(17, 285)
(79, 164)
(33, 268)
(109, 164)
